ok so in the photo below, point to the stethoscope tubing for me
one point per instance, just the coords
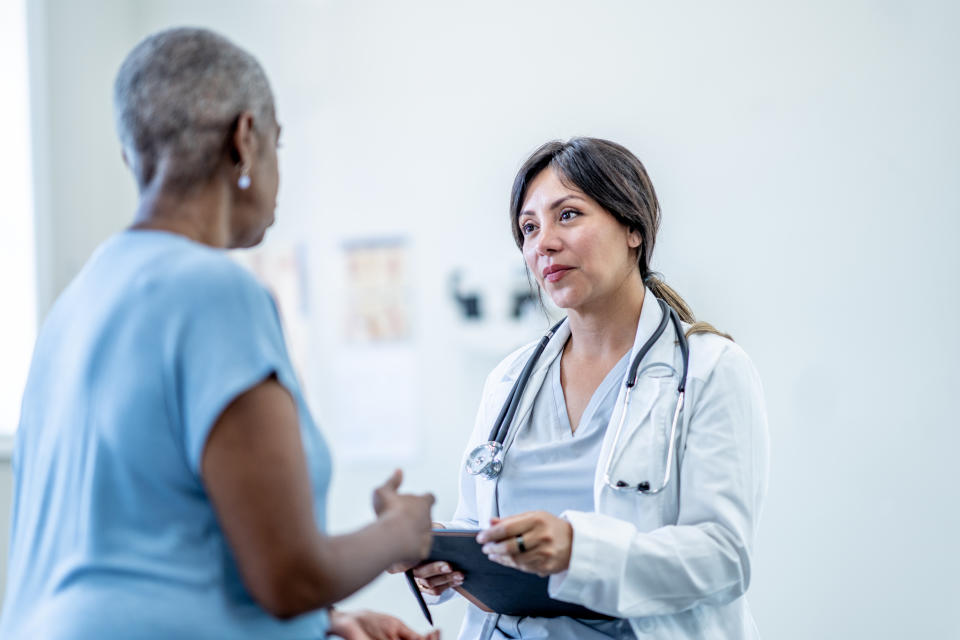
(501, 427)
(629, 384)
(622, 486)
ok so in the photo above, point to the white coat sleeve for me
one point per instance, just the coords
(705, 557)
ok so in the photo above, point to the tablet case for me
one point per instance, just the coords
(495, 588)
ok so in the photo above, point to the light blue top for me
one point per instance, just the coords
(113, 535)
(550, 467)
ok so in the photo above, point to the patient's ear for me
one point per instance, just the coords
(123, 154)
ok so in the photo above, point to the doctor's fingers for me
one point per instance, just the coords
(436, 585)
(513, 526)
(437, 577)
(507, 561)
(530, 540)
(432, 570)
(539, 562)
(529, 562)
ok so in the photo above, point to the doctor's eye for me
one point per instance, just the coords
(527, 228)
(569, 214)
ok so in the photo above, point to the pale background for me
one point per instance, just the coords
(806, 157)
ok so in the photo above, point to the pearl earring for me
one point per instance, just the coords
(244, 180)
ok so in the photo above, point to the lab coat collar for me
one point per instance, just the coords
(486, 491)
(550, 353)
(650, 314)
(661, 352)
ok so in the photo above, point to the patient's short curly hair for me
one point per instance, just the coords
(176, 100)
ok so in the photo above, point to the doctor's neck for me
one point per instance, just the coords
(608, 327)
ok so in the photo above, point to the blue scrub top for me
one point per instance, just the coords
(113, 535)
(550, 467)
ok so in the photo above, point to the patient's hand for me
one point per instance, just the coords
(370, 625)
(400, 567)
(433, 578)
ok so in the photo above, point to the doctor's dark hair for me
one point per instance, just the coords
(616, 180)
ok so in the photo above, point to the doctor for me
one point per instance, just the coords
(641, 502)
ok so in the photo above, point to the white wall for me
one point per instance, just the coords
(805, 157)
(17, 330)
(73, 49)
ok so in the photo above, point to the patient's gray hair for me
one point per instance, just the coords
(177, 98)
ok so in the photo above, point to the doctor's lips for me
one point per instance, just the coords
(555, 271)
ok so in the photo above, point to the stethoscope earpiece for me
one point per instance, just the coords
(643, 487)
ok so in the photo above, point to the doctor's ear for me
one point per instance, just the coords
(634, 239)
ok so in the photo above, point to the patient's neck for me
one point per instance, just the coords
(202, 214)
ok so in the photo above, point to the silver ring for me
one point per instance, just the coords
(522, 548)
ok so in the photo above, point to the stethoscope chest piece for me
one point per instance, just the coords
(486, 460)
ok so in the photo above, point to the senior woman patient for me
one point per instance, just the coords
(636, 466)
(169, 479)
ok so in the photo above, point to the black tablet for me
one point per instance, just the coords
(498, 589)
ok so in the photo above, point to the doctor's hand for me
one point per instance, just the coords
(436, 577)
(407, 517)
(370, 625)
(536, 542)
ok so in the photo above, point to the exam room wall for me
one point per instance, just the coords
(806, 160)
(81, 191)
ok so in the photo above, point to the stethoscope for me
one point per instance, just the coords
(486, 460)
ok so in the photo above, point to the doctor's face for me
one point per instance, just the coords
(579, 253)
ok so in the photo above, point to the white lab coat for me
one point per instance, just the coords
(676, 564)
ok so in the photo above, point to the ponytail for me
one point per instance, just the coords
(665, 292)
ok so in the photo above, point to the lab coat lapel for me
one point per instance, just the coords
(643, 396)
(553, 349)
(486, 491)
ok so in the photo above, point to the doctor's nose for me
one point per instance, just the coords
(548, 240)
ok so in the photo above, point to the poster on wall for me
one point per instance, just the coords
(283, 271)
(378, 305)
(377, 357)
